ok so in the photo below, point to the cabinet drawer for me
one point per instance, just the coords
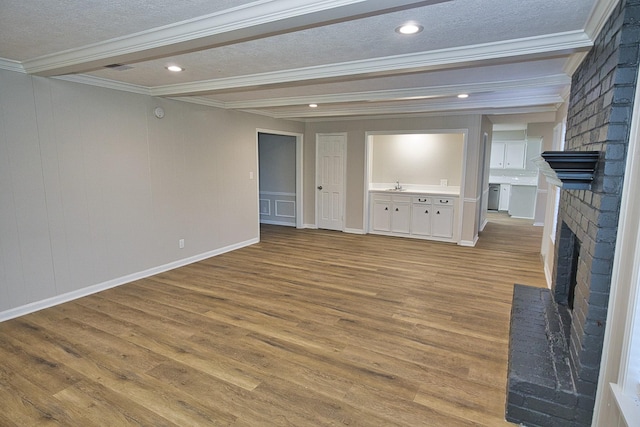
(443, 201)
(402, 199)
(426, 200)
(381, 197)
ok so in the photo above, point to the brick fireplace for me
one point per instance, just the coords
(557, 335)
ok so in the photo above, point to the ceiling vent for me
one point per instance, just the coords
(571, 170)
(119, 67)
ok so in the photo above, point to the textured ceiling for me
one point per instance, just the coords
(275, 56)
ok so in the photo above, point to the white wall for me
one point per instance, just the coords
(94, 189)
(422, 159)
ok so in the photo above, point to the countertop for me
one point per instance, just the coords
(513, 180)
(433, 190)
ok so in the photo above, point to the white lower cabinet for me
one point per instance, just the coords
(423, 216)
(421, 219)
(401, 217)
(381, 215)
(442, 224)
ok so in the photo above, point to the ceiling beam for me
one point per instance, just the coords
(537, 103)
(521, 49)
(405, 94)
(246, 22)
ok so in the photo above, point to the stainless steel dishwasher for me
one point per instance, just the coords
(494, 197)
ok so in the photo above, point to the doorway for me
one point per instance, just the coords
(280, 178)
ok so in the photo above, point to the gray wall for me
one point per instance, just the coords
(277, 156)
(94, 188)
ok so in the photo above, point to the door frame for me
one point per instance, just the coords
(344, 177)
(299, 171)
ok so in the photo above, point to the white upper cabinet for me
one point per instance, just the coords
(508, 155)
(497, 155)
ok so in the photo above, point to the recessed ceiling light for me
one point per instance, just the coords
(175, 68)
(463, 95)
(313, 105)
(409, 29)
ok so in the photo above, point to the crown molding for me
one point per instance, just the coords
(599, 15)
(105, 83)
(250, 21)
(573, 62)
(201, 101)
(530, 47)
(11, 65)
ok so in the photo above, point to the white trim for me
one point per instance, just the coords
(484, 224)
(599, 16)
(282, 202)
(354, 231)
(11, 65)
(270, 222)
(310, 226)
(276, 193)
(267, 204)
(70, 296)
(469, 243)
(105, 83)
(422, 61)
(629, 407)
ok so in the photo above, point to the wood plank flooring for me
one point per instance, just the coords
(306, 328)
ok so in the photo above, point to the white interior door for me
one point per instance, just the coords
(330, 161)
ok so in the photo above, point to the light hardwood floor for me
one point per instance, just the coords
(306, 328)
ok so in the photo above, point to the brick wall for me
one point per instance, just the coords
(599, 118)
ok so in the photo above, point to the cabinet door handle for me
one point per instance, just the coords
(438, 213)
(319, 187)
(397, 209)
(386, 209)
(444, 201)
(426, 211)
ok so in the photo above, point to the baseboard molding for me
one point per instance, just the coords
(287, 224)
(484, 224)
(538, 224)
(354, 231)
(70, 296)
(310, 226)
(469, 243)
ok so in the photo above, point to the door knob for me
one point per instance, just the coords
(319, 187)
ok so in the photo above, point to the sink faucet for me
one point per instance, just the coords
(398, 186)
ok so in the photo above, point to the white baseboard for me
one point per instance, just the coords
(538, 224)
(70, 296)
(310, 226)
(354, 231)
(269, 222)
(469, 243)
(484, 224)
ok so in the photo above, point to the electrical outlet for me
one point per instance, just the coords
(250, 175)
(181, 243)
